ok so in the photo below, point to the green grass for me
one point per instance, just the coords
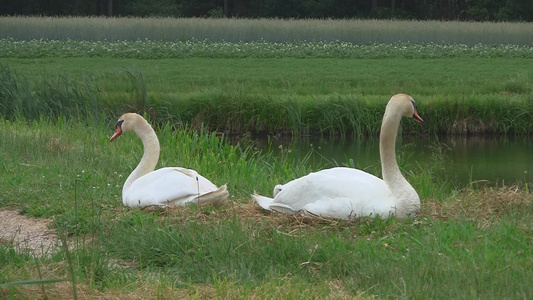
(77, 159)
(59, 102)
(269, 30)
(465, 244)
(287, 95)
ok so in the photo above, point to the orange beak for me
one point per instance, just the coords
(417, 118)
(116, 134)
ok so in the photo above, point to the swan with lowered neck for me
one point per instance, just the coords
(346, 193)
(170, 186)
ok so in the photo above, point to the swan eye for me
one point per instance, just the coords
(119, 124)
(414, 104)
(118, 130)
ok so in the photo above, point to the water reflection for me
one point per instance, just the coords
(462, 159)
(497, 159)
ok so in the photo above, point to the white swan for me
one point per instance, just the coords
(171, 186)
(346, 193)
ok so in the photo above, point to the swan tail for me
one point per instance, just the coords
(215, 198)
(263, 201)
(283, 208)
(268, 204)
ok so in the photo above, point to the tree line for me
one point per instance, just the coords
(461, 10)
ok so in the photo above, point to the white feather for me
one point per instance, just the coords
(346, 193)
(170, 186)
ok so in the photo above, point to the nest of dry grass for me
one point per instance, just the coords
(484, 205)
(248, 214)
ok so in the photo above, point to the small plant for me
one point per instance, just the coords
(157, 49)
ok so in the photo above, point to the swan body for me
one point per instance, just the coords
(346, 193)
(169, 186)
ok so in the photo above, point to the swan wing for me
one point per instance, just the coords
(263, 201)
(336, 192)
(168, 186)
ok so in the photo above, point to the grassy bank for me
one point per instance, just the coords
(286, 95)
(269, 30)
(465, 244)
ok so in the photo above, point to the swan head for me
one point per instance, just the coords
(405, 105)
(126, 122)
(277, 189)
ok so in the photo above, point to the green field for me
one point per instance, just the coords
(307, 86)
(59, 101)
(321, 96)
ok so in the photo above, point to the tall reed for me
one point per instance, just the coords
(55, 96)
(269, 30)
(238, 112)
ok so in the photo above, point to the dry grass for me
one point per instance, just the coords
(271, 30)
(249, 213)
(141, 290)
(470, 125)
(145, 288)
(56, 145)
(484, 205)
(158, 288)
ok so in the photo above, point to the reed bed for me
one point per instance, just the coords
(267, 30)
(237, 112)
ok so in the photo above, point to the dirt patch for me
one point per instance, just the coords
(27, 233)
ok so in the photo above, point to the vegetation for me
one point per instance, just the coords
(479, 10)
(470, 243)
(342, 33)
(59, 101)
(276, 96)
(11, 48)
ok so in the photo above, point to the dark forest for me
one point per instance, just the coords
(460, 10)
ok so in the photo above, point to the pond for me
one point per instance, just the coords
(461, 160)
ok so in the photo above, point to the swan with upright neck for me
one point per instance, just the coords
(346, 193)
(169, 186)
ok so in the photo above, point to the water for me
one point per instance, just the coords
(463, 160)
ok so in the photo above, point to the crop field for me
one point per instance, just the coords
(268, 30)
(60, 97)
(148, 49)
(239, 88)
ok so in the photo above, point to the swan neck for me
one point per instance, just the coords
(150, 156)
(387, 147)
(406, 198)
